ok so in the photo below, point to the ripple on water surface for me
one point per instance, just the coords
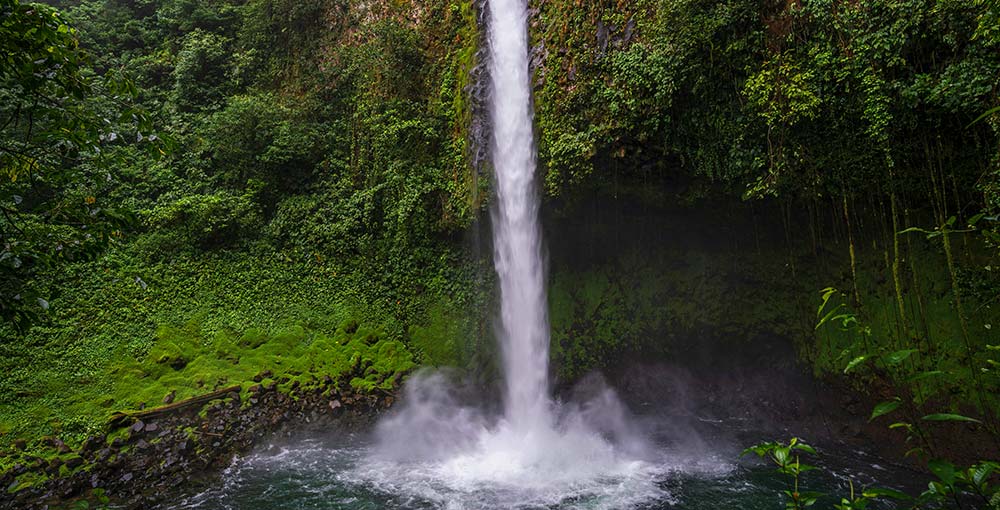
(349, 474)
(312, 475)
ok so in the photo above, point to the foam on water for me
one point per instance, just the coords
(436, 448)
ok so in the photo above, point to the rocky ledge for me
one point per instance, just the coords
(153, 453)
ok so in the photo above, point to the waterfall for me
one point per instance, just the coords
(539, 451)
(524, 331)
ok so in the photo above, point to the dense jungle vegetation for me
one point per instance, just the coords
(301, 186)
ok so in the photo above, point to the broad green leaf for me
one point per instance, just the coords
(781, 455)
(945, 471)
(885, 408)
(806, 448)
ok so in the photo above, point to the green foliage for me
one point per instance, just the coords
(201, 222)
(125, 331)
(781, 92)
(786, 458)
(440, 342)
(794, 99)
(61, 127)
(975, 483)
(257, 138)
(201, 72)
(930, 361)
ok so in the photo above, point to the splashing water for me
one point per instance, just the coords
(539, 452)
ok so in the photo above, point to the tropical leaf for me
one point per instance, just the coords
(885, 408)
(945, 471)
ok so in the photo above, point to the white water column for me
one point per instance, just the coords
(524, 334)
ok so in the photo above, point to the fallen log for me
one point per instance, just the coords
(123, 418)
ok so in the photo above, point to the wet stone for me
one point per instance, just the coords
(103, 455)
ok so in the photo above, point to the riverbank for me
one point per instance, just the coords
(154, 453)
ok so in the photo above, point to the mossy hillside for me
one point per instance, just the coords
(187, 364)
(223, 317)
(183, 364)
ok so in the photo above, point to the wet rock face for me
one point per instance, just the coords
(188, 447)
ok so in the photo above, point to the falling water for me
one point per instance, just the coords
(540, 451)
(517, 239)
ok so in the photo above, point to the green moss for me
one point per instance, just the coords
(27, 480)
(440, 340)
(295, 354)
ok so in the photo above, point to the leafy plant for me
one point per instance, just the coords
(61, 131)
(786, 456)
